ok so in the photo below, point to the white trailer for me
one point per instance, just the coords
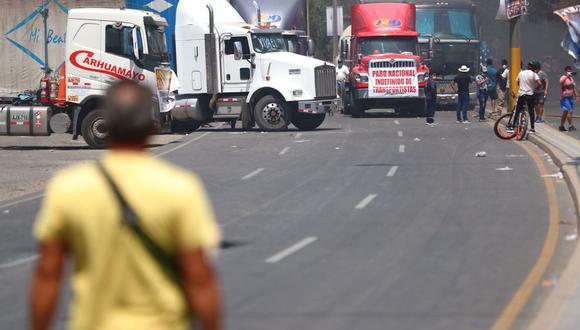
(230, 70)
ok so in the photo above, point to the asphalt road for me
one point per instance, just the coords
(372, 223)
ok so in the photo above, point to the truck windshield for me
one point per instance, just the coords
(388, 45)
(450, 56)
(446, 23)
(268, 42)
(156, 40)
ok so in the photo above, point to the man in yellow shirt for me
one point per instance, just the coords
(118, 283)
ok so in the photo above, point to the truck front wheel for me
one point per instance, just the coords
(307, 122)
(272, 113)
(94, 130)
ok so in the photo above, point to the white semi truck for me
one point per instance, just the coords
(230, 70)
(102, 46)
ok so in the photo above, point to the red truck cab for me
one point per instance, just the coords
(382, 54)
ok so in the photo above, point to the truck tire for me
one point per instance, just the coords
(356, 110)
(421, 108)
(186, 126)
(93, 129)
(272, 113)
(307, 122)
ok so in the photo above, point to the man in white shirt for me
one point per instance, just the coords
(528, 82)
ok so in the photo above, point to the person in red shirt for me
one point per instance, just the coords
(567, 95)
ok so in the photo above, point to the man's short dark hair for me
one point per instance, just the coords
(568, 68)
(129, 112)
(489, 61)
(504, 62)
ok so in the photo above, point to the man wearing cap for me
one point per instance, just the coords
(460, 85)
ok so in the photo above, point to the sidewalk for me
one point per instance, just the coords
(552, 115)
(560, 310)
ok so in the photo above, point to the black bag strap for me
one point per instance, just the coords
(167, 263)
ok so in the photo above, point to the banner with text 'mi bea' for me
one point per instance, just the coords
(393, 82)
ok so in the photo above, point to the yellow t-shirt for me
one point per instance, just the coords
(117, 285)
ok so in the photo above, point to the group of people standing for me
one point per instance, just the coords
(493, 84)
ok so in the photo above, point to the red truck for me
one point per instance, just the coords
(381, 52)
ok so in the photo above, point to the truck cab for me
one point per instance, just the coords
(231, 70)
(383, 57)
(449, 38)
(298, 42)
(103, 46)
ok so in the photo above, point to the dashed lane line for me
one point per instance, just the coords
(362, 204)
(18, 262)
(23, 200)
(283, 151)
(291, 250)
(392, 171)
(397, 122)
(400, 133)
(402, 148)
(252, 174)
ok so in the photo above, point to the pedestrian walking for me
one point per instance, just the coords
(567, 95)
(502, 84)
(137, 230)
(431, 99)
(460, 85)
(528, 81)
(481, 81)
(492, 84)
(541, 93)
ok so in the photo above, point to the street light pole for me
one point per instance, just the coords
(515, 59)
(334, 30)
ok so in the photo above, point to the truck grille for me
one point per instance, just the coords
(325, 81)
(392, 63)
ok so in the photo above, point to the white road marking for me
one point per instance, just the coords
(400, 133)
(298, 135)
(402, 148)
(283, 151)
(507, 168)
(27, 199)
(183, 144)
(301, 141)
(392, 171)
(397, 122)
(362, 204)
(18, 262)
(250, 175)
(291, 250)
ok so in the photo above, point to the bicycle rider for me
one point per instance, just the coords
(528, 81)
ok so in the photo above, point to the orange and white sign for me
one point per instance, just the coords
(393, 82)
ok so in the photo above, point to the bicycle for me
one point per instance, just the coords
(507, 126)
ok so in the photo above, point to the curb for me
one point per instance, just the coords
(569, 169)
(555, 312)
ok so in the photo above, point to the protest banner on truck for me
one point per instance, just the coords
(393, 82)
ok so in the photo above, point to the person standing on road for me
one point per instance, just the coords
(506, 78)
(492, 85)
(138, 231)
(460, 85)
(341, 77)
(541, 93)
(431, 99)
(568, 94)
(528, 82)
(481, 81)
(501, 82)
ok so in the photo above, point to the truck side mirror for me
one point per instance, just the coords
(291, 47)
(137, 49)
(311, 47)
(238, 51)
(359, 57)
